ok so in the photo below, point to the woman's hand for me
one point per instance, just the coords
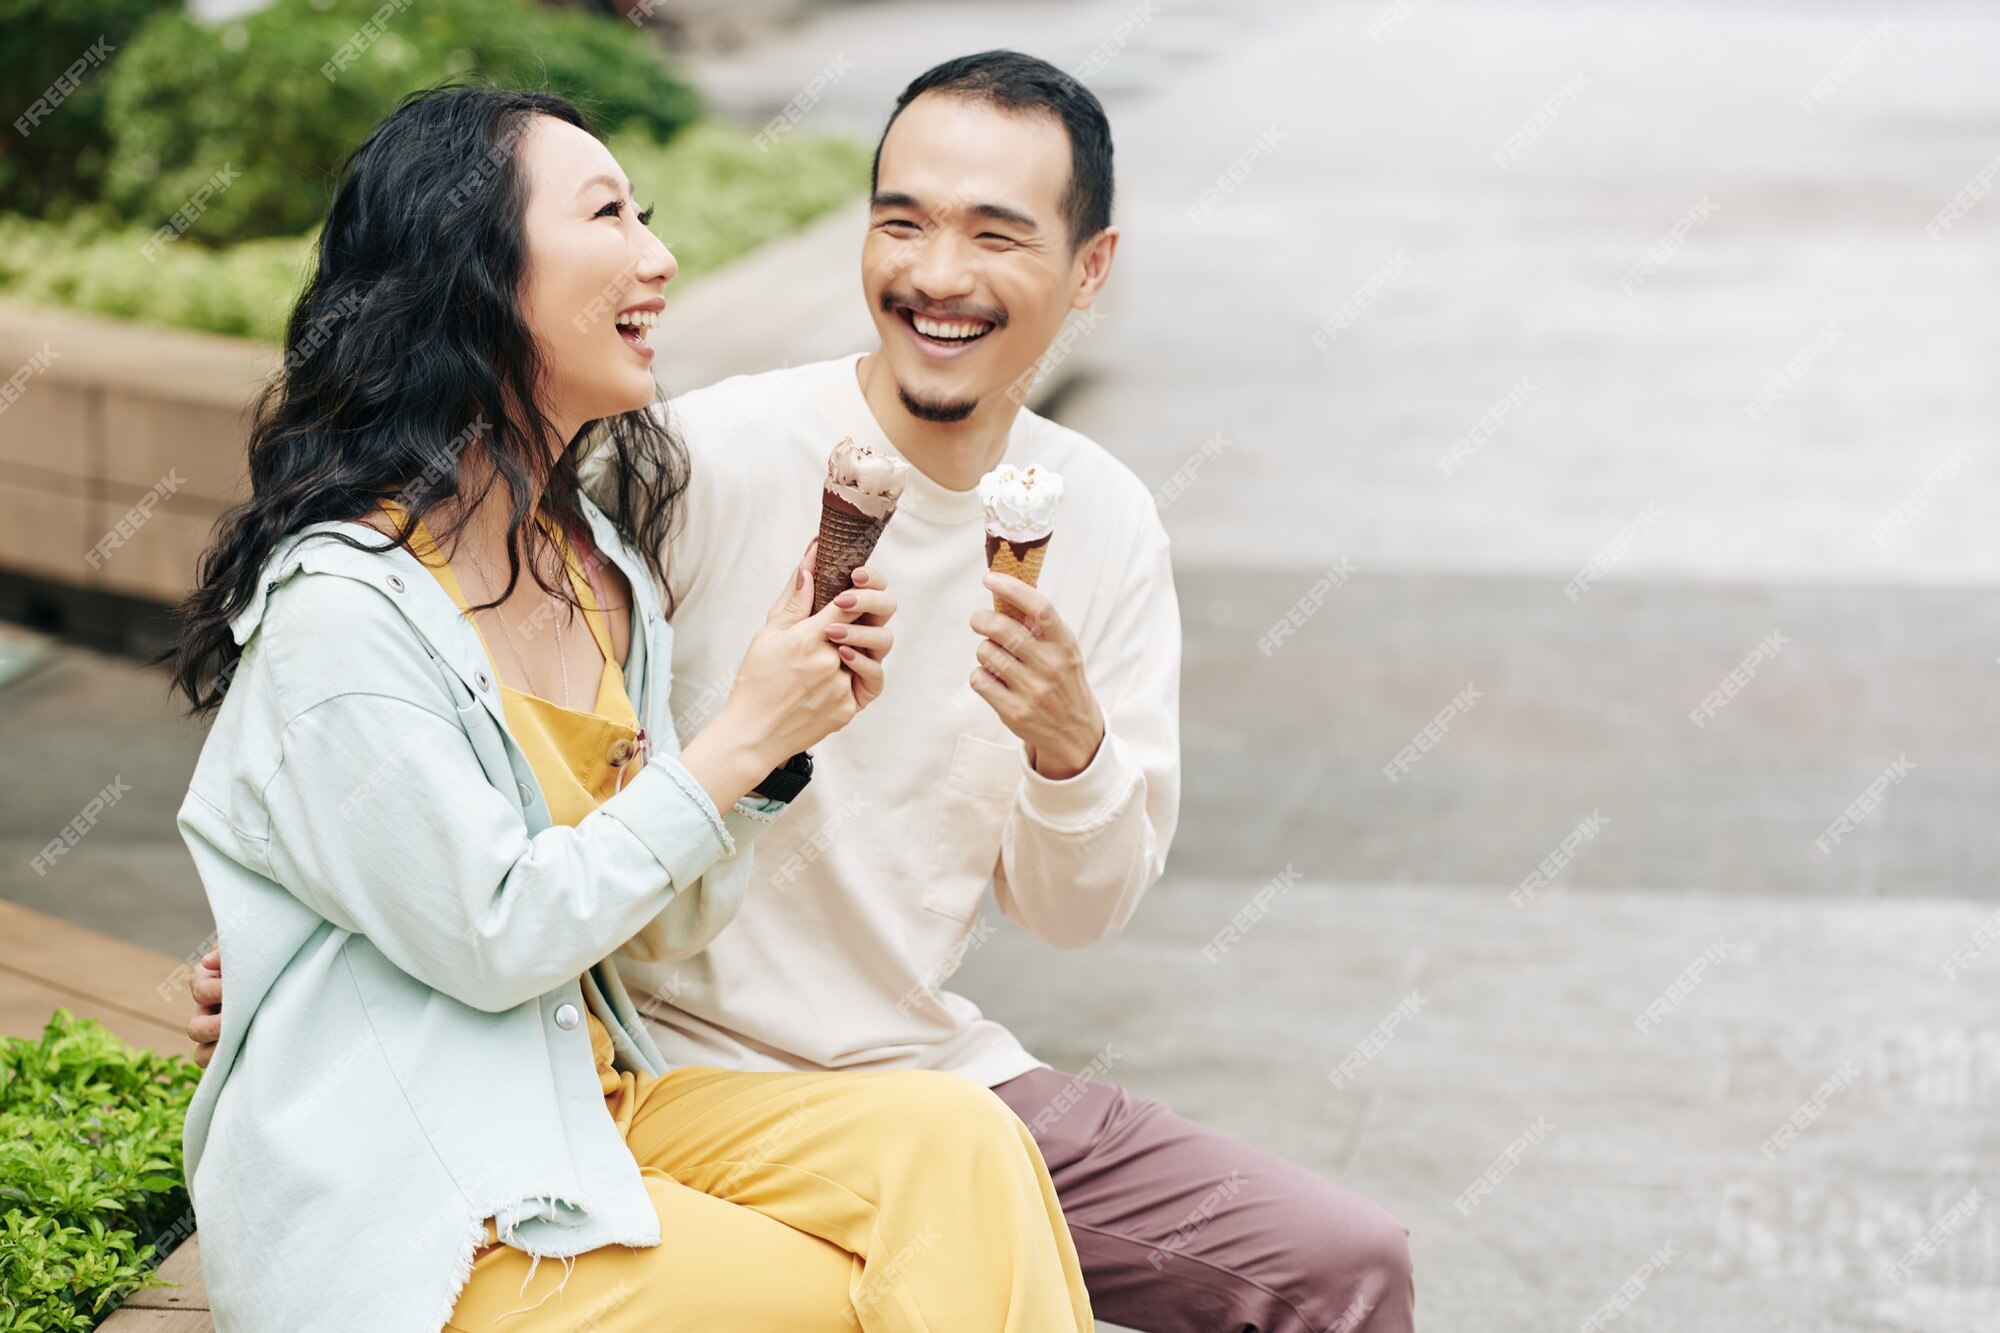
(866, 639)
(804, 677)
(790, 691)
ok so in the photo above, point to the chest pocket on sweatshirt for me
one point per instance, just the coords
(965, 831)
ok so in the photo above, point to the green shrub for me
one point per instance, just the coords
(244, 289)
(281, 96)
(53, 151)
(717, 196)
(91, 1193)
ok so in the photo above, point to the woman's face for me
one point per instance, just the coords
(592, 290)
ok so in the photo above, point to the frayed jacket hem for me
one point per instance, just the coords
(476, 1237)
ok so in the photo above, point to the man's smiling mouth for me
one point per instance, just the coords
(946, 332)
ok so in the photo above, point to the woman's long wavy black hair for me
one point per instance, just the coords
(407, 347)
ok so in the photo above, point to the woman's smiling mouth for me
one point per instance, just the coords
(635, 326)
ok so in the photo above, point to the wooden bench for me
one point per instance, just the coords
(182, 1309)
(48, 962)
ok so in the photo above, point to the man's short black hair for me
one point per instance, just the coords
(1020, 82)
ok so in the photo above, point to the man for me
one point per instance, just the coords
(1036, 751)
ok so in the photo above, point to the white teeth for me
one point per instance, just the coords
(932, 328)
(641, 322)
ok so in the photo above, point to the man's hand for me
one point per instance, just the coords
(205, 985)
(1031, 672)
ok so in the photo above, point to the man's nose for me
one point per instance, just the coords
(942, 268)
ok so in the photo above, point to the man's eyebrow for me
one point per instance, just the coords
(997, 212)
(618, 187)
(1001, 213)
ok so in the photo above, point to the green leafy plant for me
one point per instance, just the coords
(718, 197)
(91, 1192)
(254, 116)
(55, 59)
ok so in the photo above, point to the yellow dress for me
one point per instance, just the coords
(897, 1201)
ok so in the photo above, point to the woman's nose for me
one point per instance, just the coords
(656, 262)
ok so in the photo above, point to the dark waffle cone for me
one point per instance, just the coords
(1005, 557)
(846, 539)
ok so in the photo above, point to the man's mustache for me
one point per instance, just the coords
(895, 301)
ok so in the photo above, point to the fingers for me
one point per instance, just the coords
(1004, 630)
(865, 577)
(998, 662)
(206, 1026)
(1030, 604)
(795, 601)
(873, 605)
(994, 691)
(874, 640)
(867, 672)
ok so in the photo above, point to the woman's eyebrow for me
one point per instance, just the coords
(621, 187)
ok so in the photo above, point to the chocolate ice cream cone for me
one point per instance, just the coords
(847, 538)
(856, 503)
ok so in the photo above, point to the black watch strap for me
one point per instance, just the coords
(788, 779)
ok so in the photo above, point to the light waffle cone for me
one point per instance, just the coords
(1027, 569)
(845, 543)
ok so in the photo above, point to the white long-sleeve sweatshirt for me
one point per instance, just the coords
(865, 895)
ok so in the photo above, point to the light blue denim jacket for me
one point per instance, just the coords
(409, 945)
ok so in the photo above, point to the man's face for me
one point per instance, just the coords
(967, 266)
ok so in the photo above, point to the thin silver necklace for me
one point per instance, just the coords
(561, 657)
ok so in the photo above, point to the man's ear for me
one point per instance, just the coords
(1095, 264)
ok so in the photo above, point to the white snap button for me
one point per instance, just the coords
(396, 582)
(565, 1016)
(480, 676)
(527, 797)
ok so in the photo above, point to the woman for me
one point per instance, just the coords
(442, 786)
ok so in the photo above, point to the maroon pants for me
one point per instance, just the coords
(1184, 1230)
